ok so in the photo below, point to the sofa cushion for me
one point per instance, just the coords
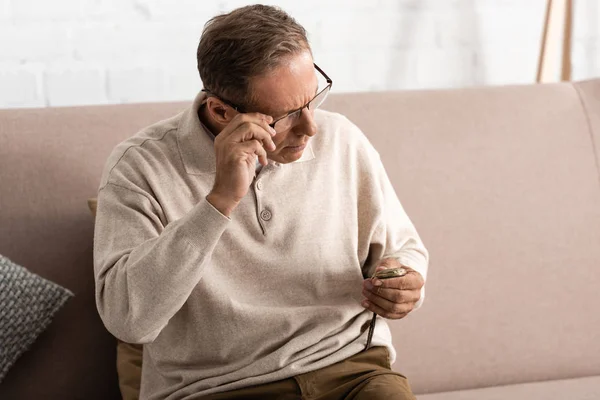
(572, 389)
(502, 185)
(27, 304)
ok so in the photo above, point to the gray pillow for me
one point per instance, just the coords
(27, 305)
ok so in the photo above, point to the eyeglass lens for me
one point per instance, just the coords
(286, 123)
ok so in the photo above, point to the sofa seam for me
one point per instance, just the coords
(509, 384)
(144, 195)
(127, 150)
(589, 129)
(128, 189)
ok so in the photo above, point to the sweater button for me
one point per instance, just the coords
(259, 185)
(266, 215)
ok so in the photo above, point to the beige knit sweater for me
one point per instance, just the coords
(274, 291)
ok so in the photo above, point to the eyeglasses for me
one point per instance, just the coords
(286, 122)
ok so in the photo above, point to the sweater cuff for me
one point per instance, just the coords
(205, 223)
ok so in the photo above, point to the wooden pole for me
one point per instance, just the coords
(567, 39)
(542, 59)
(559, 13)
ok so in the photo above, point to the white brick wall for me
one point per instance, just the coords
(70, 85)
(19, 87)
(72, 52)
(5, 11)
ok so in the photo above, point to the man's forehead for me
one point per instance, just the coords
(280, 105)
(285, 88)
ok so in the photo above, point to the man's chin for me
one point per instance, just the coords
(288, 154)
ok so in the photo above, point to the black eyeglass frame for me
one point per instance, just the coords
(272, 125)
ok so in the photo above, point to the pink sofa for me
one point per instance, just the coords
(503, 184)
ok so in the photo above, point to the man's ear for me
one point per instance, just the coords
(219, 112)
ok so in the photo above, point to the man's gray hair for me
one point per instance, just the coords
(245, 43)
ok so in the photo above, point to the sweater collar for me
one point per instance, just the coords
(196, 143)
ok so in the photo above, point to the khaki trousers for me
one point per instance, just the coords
(364, 376)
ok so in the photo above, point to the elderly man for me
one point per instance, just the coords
(237, 239)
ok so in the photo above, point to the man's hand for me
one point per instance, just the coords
(236, 148)
(393, 298)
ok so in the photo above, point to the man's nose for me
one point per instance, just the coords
(306, 125)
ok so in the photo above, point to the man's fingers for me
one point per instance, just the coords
(256, 118)
(377, 309)
(261, 120)
(253, 148)
(389, 263)
(395, 295)
(267, 118)
(260, 151)
(244, 127)
(252, 131)
(262, 156)
(411, 281)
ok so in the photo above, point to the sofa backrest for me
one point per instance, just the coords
(502, 184)
(50, 164)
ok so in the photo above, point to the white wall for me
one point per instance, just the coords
(71, 52)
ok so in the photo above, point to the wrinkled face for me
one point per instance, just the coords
(287, 88)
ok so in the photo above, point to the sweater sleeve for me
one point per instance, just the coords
(145, 271)
(394, 235)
